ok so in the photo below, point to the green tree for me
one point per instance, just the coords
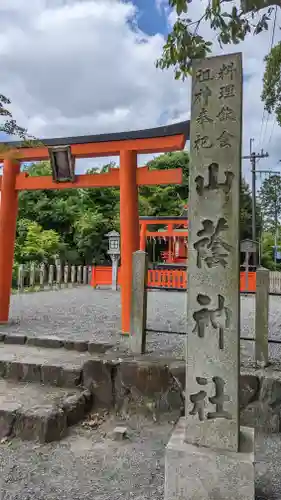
(80, 216)
(9, 125)
(270, 202)
(34, 244)
(246, 213)
(166, 200)
(230, 22)
(271, 93)
(267, 255)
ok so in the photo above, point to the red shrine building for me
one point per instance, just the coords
(171, 237)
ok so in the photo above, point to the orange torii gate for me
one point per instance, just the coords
(128, 177)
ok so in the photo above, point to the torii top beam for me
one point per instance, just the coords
(154, 140)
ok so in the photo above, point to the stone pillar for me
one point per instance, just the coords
(115, 262)
(139, 303)
(51, 276)
(206, 457)
(89, 274)
(42, 276)
(65, 276)
(261, 317)
(85, 272)
(58, 275)
(21, 278)
(32, 275)
(73, 275)
(79, 275)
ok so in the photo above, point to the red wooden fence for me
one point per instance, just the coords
(163, 278)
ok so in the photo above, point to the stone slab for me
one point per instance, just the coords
(200, 473)
(44, 341)
(97, 377)
(99, 347)
(37, 412)
(15, 339)
(42, 423)
(262, 417)
(119, 433)
(57, 367)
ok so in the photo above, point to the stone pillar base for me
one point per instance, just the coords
(199, 473)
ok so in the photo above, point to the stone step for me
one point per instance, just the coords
(56, 367)
(40, 413)
(55, 342)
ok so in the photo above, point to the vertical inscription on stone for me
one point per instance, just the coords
(212, 412)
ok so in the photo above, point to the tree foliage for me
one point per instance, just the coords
(246, 213)
(271, 93)
(230, 23)
(35, 244)
(270, 201)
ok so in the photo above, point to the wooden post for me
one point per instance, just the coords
(129, 223)
(8, 221)
(261, 317)
(139, 303)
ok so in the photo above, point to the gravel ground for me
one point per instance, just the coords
(90, 314)
(89, 465)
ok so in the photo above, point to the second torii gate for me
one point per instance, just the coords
(126, 145)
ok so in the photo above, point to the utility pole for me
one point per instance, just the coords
(253, 158)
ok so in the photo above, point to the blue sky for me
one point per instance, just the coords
(151, 19)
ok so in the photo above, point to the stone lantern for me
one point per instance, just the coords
(114, 253)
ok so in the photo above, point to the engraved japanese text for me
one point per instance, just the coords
(203, 117)
(227, 91)
(224, 139)
(227, 70)
(218, 318)
(203, 95)
(204, 75)
(210, 247)
(199, 400)
(213, 182)
(202, 142)
(226, 114)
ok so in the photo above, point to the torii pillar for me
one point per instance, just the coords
(8, 222)
(129, 225)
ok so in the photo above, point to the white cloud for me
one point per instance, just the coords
(81, 68)
(74, 67)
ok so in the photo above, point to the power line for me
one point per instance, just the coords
(263, 132)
